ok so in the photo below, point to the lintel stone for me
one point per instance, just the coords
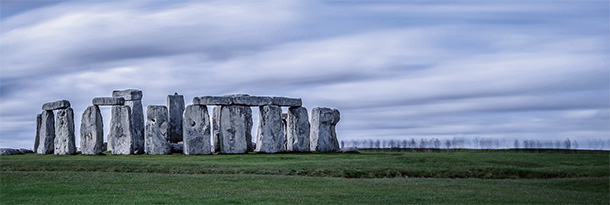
(212, 100)
(100, 101)
(284, 101)
(60, 104)
(129, 94)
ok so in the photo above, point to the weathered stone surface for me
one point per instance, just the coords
(285, 123)
(120, 138)
(9, 151)
(177, 147)
(175, 104)
(270, 130)
(60, 104)
(65, 142)
(323, 137)
(25, 151)
(47, 133)
(235, 128)
(37, 140)
(108, 101)
(137, 124)
(157, 128)
(284, 101)
(215, 129)
(350, 150)
(298, 130)
(92, 131)
(251, 100)
(196, 125)
(212, 100)
(129, 94)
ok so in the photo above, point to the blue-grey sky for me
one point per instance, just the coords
(395, 69)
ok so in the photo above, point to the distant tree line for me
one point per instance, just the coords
(474, 143)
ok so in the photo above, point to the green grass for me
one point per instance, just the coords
(311, 178)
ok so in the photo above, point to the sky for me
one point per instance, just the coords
(394, 69)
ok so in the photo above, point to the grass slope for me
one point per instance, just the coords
(371, 177)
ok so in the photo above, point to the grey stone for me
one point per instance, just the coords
(92, 131)
(196, 125)
(47, 133)
(137, 124)
(235, 127)
(323, 137)
(175, 104)
(157, 128)
(350, 150)
(284, 101)
(120, 138)
(298, 130)
(251, 100)
(177, 147)
(212, 100)
(60, 104)
(215, 129)
(270, 130)
(37, 140)
(65, 142)
(9, 151)
(129, 94)
(108, 101)
(25, 151)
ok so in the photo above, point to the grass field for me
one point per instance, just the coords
(464, 176)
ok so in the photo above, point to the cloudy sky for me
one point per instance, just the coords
(395, 69)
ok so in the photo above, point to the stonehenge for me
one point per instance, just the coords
(190, 129)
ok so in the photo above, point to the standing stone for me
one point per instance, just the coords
(64, 132)
(215, 129)
(92, 131)
(235, 127)
(298, 130)
(175, 103)
(133, 99)
(121, 138)
(270, 130)
(196, 125)
(323, 137)
(47, 133)
(37, 140)
(157, 130)
(284, 124)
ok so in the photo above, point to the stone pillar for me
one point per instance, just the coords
(323, 137)
(157, 128)
(47, 133)
(235, 126)
(284, 124)
(215, 129)
(270, 130)
(133, 99)
(37, 140)
(92, 131)
(298, 130)
(175, 104)
(64, 132)
(196, 130)
(121, 139)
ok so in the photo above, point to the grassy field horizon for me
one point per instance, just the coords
(459, 176)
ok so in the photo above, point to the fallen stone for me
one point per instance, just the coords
(156, 133)
(65, 142)
(251, 100)
(350, 150)
(25, 151)
(47, 133)
(323, 137)
(215, 129)
(37, 140)
(212, 100)
(175, 104)
(177, 147)
(9, 151)
(61, 104)
(284, 101)
(129, 94)
(270, 130)
(108, 101)
(120, 138)
(196, 125)
(298, 130)
(235, 127)
(92, 131)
